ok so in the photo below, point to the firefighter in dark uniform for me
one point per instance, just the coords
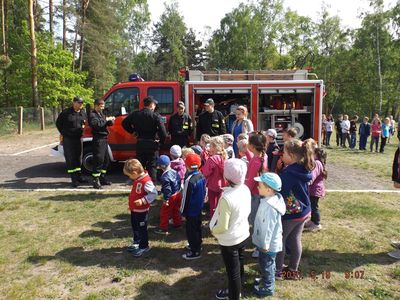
(98, 122)
(70, 124)
(146, 124)
(180, 126)
(211, 121)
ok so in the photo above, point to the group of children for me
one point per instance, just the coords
(271, 190)
(346, 130)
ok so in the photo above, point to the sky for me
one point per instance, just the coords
(198, 14)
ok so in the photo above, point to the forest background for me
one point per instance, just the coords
(52, 51)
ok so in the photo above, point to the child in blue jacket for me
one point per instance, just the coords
(194, 193)
(299, 160)
(267, 234)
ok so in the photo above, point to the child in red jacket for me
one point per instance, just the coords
(142, 194)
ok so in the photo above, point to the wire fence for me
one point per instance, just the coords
(29, 119)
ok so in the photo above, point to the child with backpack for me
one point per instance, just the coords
(193, 196)
(171, 191)
(299, 160)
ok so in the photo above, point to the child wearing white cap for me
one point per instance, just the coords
(177, 163)
(230, 225)
(267, 234)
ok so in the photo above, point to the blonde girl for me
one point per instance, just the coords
(213, 171)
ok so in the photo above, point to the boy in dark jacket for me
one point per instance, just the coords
(364, 131)
(194, 193)
(338, 127)
(171, 190)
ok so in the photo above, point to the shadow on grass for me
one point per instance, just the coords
(165, 260)
(201, 286)
(84, 197)
(121, 228)
(331, 260)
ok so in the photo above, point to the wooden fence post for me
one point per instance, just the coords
(20, 119)
(42, 118)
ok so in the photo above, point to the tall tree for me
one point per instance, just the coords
(168, 38)
(35, 96)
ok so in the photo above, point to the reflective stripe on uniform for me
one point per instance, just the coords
(215, 125)
(103, 171)
(96, 174)
(74, 170)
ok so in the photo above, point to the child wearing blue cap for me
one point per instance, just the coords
(267, 234)
(171, 190)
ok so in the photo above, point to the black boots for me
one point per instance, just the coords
(80, 178)
(103, 180)
(96, 183)
(74, 180)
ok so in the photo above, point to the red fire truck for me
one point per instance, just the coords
(275, 99)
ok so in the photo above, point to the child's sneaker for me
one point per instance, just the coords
(140, 251)
(395, 244)
(187, 248)
(161, 231)
(132, 247)
(262, 291)
(395, 254)
(191, 255)
(222, 294)
(257, 281)
(255, 254)
(313, 227)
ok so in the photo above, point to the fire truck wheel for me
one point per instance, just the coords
(87, 159)
(300, 130)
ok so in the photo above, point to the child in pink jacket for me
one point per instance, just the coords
(316, 186)
(376, 130)
(213, 171)
(257, 165)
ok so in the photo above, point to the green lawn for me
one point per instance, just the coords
(72, 246)
(372, 163)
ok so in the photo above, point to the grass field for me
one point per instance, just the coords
(72, 246)
(376, 164)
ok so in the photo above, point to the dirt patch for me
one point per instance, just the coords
(344, 177)
(15, 143)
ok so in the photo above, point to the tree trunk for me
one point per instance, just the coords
(35, 96)
(51, 17)
(74, 46)
(64, 22)
(85, 4)
(4, 19)
(378, 52)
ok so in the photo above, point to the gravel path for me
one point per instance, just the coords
(38, 169)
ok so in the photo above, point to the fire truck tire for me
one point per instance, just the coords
(87, 159)
(300, 130)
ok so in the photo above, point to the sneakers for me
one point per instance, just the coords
(140, 251)
(395, 244)
(161, 231)
(191, 256)
(313, 227)
(187, 248)
(132, 247)
(262, 291)
(395, 254)
(255, 254)
(222, 294)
